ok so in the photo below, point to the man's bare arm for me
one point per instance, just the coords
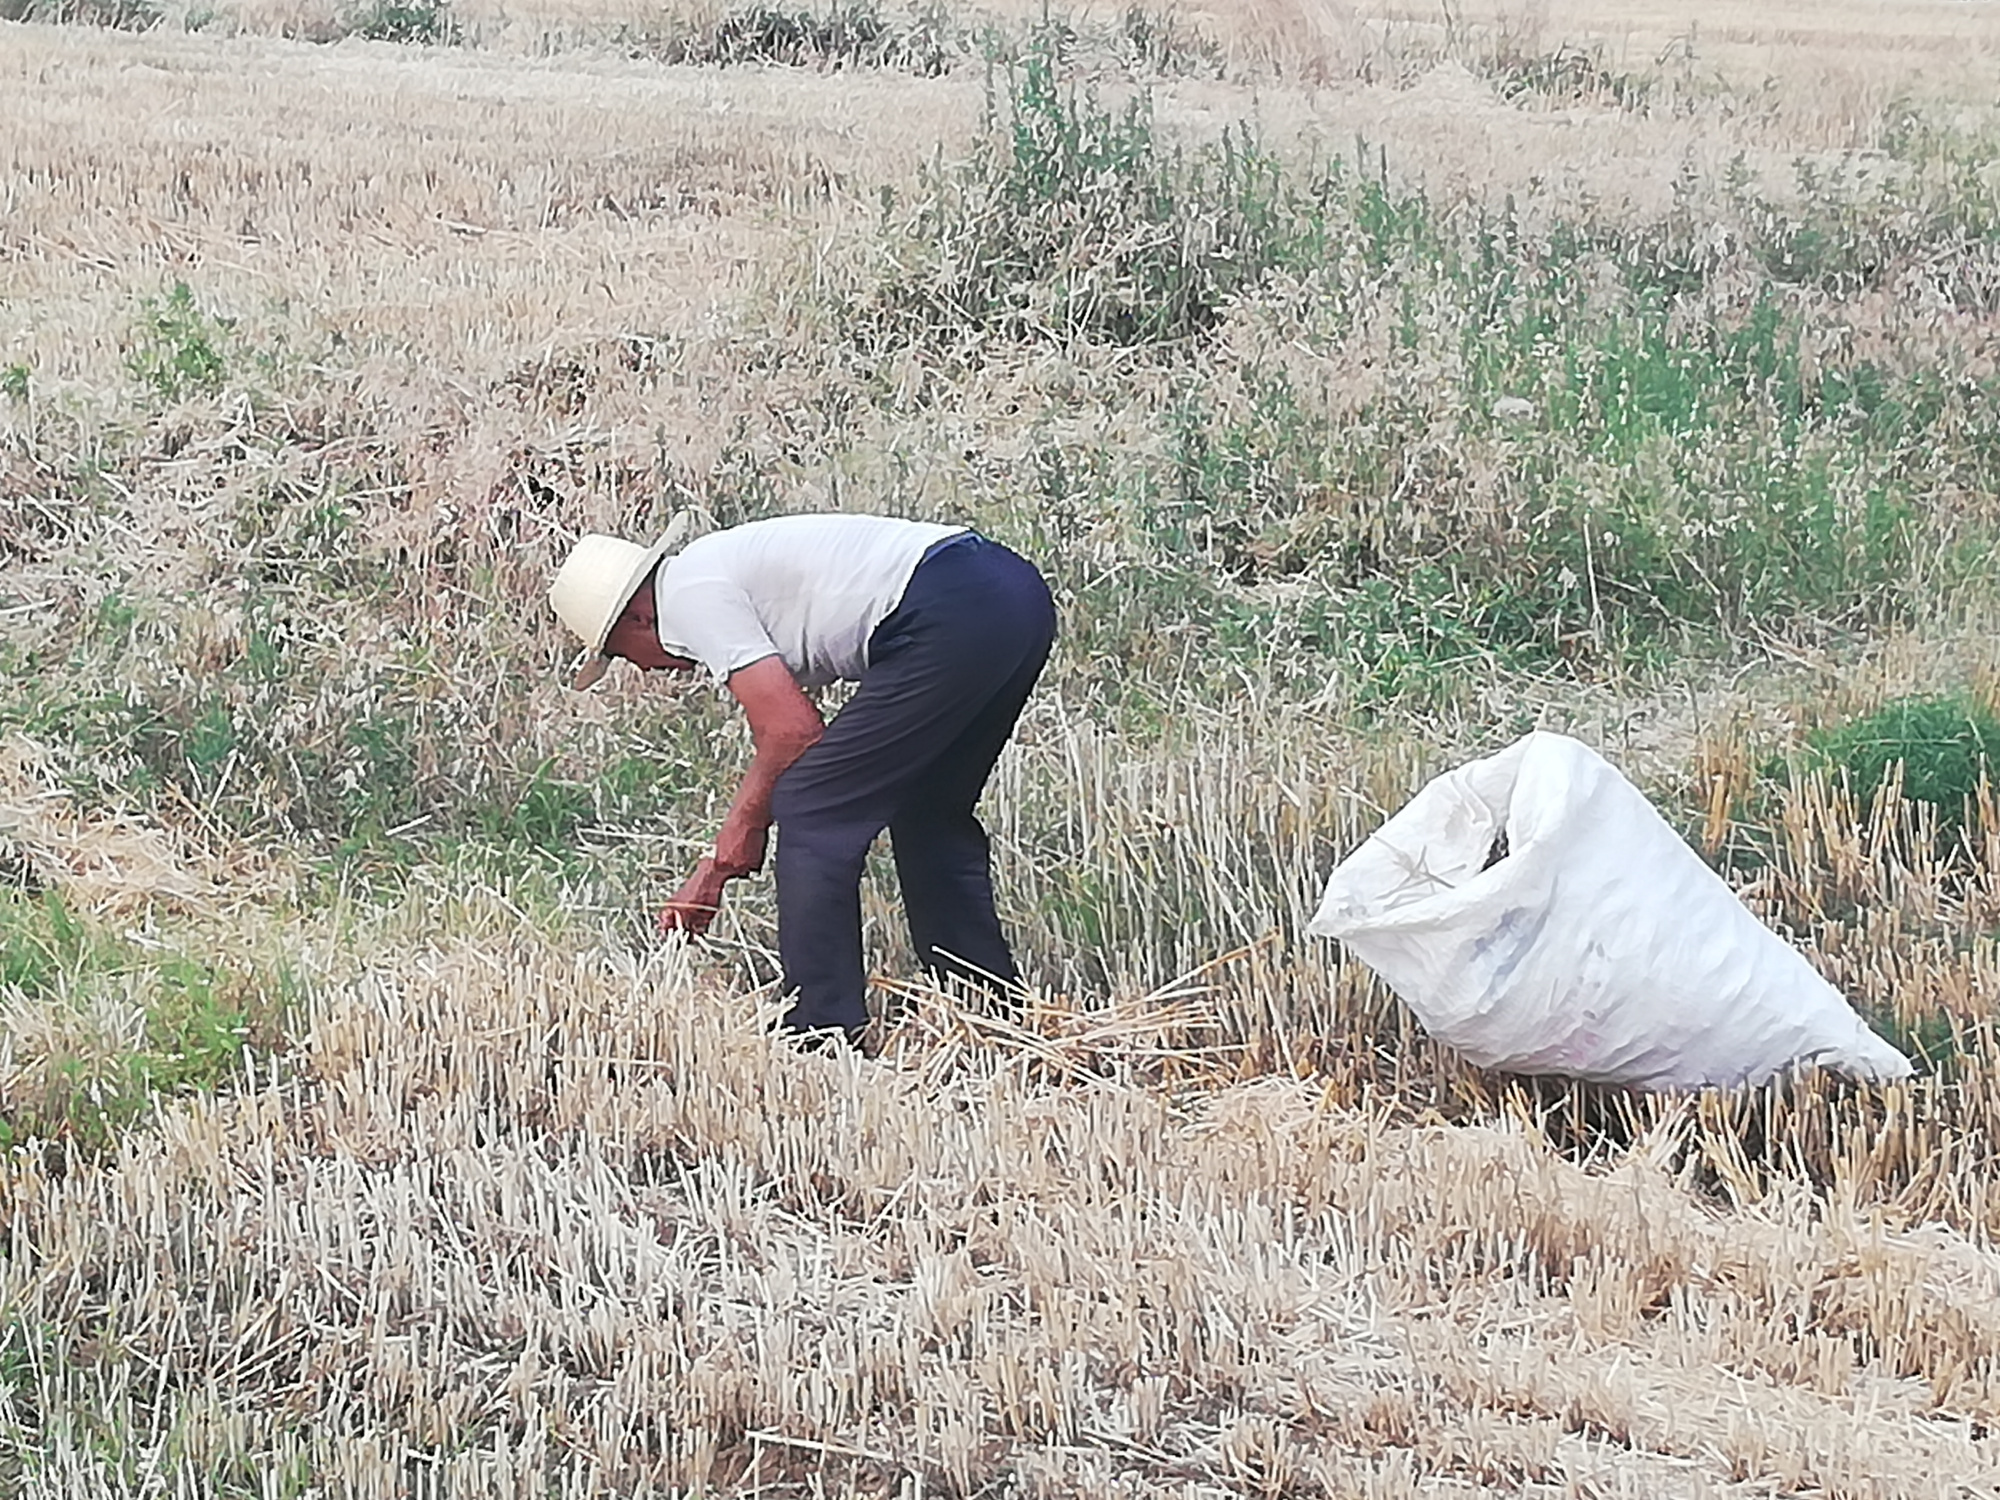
(784, 724)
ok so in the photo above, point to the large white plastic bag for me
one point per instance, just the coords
(1600, 946)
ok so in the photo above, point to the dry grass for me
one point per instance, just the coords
(523, 1211)
(528, 1218)
(513, 1201)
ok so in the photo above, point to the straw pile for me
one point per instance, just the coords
(530, 1223)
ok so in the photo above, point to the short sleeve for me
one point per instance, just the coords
(712, 621)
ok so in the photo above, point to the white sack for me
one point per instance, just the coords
(1599, 947)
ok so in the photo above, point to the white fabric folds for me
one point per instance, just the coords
(1539, 916)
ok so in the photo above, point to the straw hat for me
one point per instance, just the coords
(600, 576)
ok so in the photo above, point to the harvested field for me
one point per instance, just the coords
(1375, 383)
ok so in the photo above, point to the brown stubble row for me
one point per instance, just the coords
(462, 213)
(1842, 58)
(546, 1216)
(420, 191)
(532, 1214)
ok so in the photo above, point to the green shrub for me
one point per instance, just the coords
(1568, 75)
(797, 38)
(1944, 746)
(1071, 221)
(178, 349)
(119, 15)
(849, 35)
(1163, 41)
(412, 22)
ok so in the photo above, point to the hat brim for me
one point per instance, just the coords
(686, 526)
(589, 672)
(597, 663)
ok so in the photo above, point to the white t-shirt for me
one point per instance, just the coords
(808, 589)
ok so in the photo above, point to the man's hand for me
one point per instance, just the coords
(784, 725)
(691, 908)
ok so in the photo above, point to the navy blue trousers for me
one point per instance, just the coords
(948, 671)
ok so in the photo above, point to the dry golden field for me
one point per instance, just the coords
(360, 1139)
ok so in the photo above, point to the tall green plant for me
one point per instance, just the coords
(1074, 221)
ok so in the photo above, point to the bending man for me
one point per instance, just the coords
(943, 631)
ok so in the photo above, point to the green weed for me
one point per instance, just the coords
(14, 382)
(40, 941)
(177, 348)
(541, 813)
(1073, 221)
(88, 1084)
(196, 1030)
(411, 22)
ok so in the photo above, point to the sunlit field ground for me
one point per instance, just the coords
(1374, 384)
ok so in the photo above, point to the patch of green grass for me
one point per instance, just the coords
(1852, 227)
(1944, 749)
(1668, 485)
(39, 941)
(1938, 1042)
(274, 727)
(1421, 636)
(29, 1350)
(87, 1085)
(631, 786)
(15, 382)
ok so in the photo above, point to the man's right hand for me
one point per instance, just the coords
(691, 908)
